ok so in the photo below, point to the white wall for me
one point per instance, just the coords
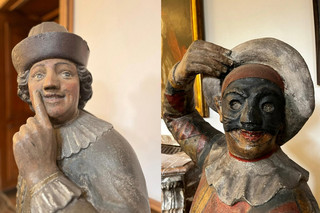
(231, 22)
(124, 39)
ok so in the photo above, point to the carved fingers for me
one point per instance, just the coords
(34, 146)
(202, 58)
(207, 58)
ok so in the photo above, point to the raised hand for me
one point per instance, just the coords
(201, 58)
(35, 146)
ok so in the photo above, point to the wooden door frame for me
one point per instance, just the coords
(66, 14)
(66, 10)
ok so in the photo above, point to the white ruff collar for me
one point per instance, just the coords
(253, 182)
(79, 134)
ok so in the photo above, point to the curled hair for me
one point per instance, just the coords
(85, 79)
(23, 91)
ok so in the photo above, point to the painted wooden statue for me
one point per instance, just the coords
(68, 160)
(263, 93)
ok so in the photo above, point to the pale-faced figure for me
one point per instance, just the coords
(58, 83)
(68, 159)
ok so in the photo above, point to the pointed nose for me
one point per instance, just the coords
(51, 80)
(250, 117)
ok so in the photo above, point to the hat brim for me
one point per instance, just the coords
(49, 45)
(298, 86)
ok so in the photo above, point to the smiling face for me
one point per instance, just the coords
(58, 83)
(252, 113)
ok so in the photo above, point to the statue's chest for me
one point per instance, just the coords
(206, 199)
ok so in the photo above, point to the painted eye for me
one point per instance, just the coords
(268, 107)
(235, 105)
(66, 74)
(38, 75)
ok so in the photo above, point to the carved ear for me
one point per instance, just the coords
(217, 103)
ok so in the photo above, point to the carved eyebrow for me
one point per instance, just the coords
(37, 65)
(55, 65)
(63, 63)
(236, 91)
(270, 92)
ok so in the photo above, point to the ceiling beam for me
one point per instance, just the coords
(17, 4)
(3, 2)
(51, 15)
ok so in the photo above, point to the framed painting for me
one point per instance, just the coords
(181, 23)
(317, 36)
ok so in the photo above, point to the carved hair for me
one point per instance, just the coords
(85, 79)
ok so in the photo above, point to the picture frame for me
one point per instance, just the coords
(181, 24)
(316, 10)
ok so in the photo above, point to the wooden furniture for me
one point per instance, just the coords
(13, 112)
(179, 177)
(155, 206)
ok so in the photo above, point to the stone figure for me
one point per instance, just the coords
(68, 159)
(263, 93)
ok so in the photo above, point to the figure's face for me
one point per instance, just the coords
(58, 83)
(252, 113)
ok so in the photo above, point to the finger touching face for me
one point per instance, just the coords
(39, 108)
(57, 82)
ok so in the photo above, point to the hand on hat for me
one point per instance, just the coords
(35, 146)
(201, 58)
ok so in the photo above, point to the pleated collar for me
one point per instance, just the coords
(79, 134)
(254, 182)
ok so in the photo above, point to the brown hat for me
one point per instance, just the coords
(253, 71)
(49, 40)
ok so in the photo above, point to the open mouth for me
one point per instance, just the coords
(251, 136)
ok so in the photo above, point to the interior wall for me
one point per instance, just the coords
(231, 22)
(124, 41)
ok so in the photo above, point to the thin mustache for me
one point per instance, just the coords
(52, 95)
(238, 126)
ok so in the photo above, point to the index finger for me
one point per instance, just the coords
(39, 108)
